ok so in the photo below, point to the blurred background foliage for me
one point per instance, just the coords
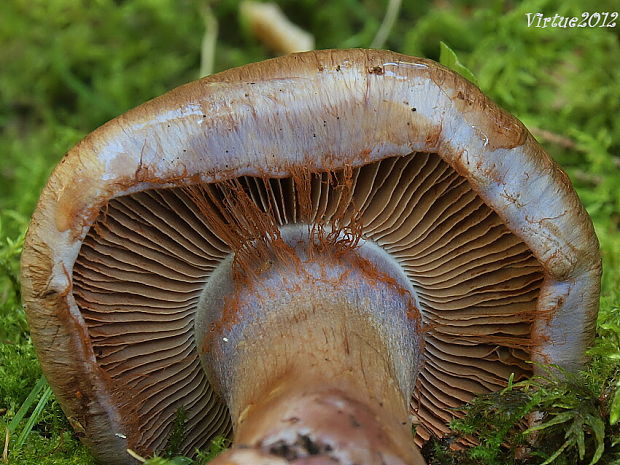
(68, 66)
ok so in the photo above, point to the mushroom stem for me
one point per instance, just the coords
(329, 411)
(337, 419)
(317, 360)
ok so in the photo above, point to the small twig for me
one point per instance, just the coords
(587, 178)
(135, 455)
(570, 144)
(388, 23)
(554, 138)
(209, 41)
(268, 23)
(7, 438)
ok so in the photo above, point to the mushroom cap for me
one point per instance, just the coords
(365, 110)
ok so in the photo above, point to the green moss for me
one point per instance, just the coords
(177, 434)
(216, 447)
(567, 415)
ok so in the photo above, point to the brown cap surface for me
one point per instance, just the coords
(500, 252)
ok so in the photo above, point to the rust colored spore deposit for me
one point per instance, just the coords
(252, 230)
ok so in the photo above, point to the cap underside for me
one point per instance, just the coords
(143, 264)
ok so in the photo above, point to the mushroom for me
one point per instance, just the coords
(314, 251)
